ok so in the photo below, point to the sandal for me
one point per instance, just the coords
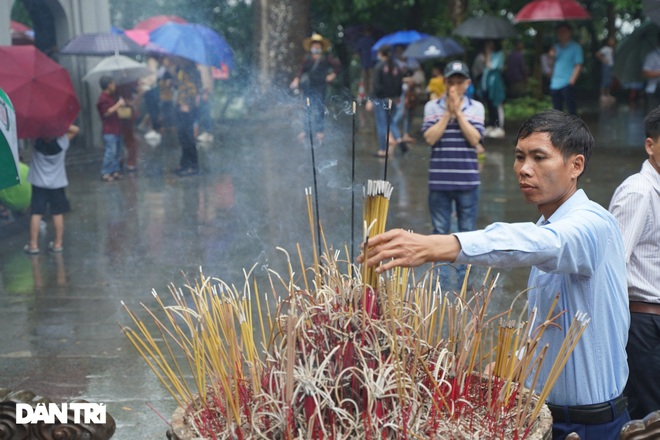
(54, 249)
(29, 250)
(107, 178)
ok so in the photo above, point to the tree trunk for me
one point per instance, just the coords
(280, 28)
(457, 9)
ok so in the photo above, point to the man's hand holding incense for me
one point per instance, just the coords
(407, 249)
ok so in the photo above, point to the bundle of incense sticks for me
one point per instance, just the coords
(375, 206)
(312, 360)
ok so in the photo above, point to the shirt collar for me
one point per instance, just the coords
(578, 198)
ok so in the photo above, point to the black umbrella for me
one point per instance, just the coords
(102, 44)
(486, 27)
(632, 50)
(431, 47)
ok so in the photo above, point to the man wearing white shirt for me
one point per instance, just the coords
(636, 206)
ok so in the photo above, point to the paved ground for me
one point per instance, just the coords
(59, 313)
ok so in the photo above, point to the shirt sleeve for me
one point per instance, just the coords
(571, 245)
(579, 54)
(630, 208)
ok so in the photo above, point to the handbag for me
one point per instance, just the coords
(124, 112)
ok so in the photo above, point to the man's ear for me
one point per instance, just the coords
(648, 145)
(577, 162)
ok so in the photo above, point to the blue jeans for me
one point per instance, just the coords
(441, 207)
(205, 124)
(112, 154)
(381, 114)
(567, 95)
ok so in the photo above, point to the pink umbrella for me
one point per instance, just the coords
(156, 21)
(552, 10)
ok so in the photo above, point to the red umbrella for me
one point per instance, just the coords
(41, 91)
(140, 36)
(15, 26)
(552, 10)
(156, 21)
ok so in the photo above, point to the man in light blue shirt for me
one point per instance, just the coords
(567, 66)
(575, 249)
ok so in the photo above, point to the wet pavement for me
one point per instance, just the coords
(59, 313)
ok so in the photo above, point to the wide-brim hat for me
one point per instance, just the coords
(316, 38)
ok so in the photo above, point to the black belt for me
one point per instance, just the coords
(589, 414)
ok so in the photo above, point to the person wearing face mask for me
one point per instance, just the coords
(317, 70)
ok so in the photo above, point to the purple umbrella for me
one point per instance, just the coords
(102, 44)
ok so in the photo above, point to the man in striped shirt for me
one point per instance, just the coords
(636, 206)
(454, 127)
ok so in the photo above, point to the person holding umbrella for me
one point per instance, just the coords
(108, 105)
(48, 178)
(188, 84)
(567, 65)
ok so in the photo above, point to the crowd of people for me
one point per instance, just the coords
(177, 96)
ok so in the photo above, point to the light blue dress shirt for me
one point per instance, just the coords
(579, 252)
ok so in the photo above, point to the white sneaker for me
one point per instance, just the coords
(497, 133)
(151, 134)
(487, 131)
(205, 137)
(153, 138)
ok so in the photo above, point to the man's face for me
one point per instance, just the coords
(316, 48)
(563, 35)
(458, 82)
(653, 149)
(545, 178)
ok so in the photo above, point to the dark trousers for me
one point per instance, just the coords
(643, 387)
(567, 96)
(185, 130)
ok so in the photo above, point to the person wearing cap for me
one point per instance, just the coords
(316, 72)
(454, 126)
(575, 250)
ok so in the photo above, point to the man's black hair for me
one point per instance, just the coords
(105, 81)
(652, 124)
(569, 134)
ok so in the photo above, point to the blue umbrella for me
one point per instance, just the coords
(397, 38)
(194, 42)
(433, 47)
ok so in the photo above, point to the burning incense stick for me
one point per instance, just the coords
(387, 137)
(316, 189)
(353, 184)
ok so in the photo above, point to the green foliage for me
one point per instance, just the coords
(522, 108)
(20, 14)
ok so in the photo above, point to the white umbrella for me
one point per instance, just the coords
(121, 68)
